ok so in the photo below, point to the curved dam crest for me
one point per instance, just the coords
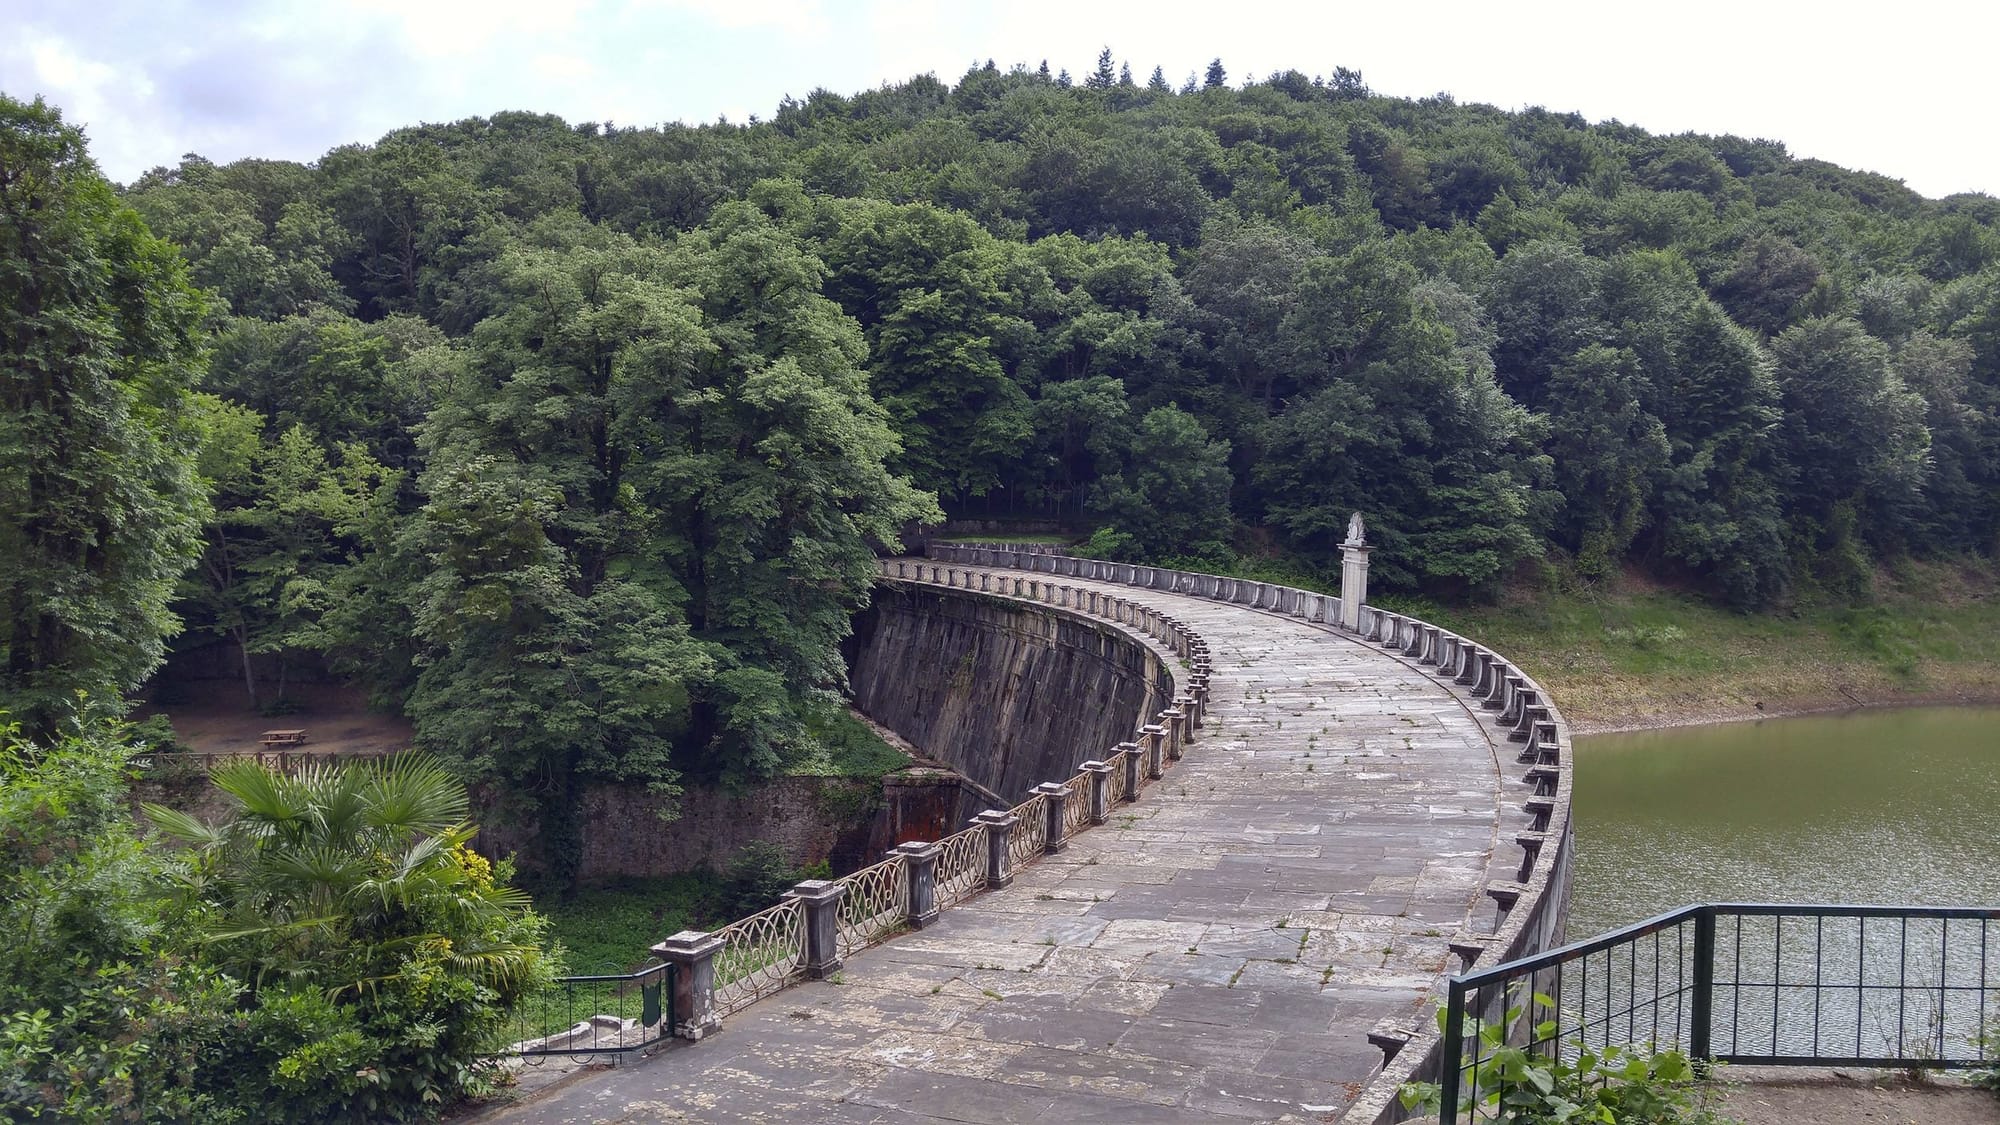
(1362, 814)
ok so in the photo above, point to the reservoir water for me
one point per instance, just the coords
(1879, 806)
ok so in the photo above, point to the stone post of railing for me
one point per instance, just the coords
(920, 865)
(692, 953)
(1187, 705)
(1353, 574)
(999, 857)
(1056, 795)
(821, 899)
(1175, 720)
(1155, 737)
(1130, 756)
(1100, 790)
(1198, 685)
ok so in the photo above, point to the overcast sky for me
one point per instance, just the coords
(1903, 88)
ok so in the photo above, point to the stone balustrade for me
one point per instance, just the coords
(1530, 909)
(820, 922)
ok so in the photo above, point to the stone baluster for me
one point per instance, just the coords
(920, 867)
(692, 953)
(1468, 669)
(1130, 752)
(1154, 735)
(1190, 707)
(1175, 720)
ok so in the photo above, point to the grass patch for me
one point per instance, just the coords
(609, 928)
(847, 748)
(1631, 655)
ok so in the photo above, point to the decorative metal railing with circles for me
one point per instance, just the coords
(760, 955)
(1030, 836)
(1076, 804)
(875, 906)
(961, 865)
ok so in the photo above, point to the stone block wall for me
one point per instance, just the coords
(1004, 692)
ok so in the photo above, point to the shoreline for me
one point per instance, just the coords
(1713, 712)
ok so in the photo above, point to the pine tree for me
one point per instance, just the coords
(1216, 77)
(1104, 75)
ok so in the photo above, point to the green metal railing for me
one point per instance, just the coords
(1768, 984)
(597, 1014)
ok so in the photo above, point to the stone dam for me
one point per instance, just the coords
(1262, 835)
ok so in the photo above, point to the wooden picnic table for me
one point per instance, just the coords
(284, 737)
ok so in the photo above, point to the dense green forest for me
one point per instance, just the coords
(573, 441)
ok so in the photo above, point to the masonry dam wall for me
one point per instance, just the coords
(1007, 694)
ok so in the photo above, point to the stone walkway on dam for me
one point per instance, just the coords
(1218, 950)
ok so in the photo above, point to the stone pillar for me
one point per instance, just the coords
(1176, 724)
(999, 857)
(1130, 751)
(1057, 796)
(1187, 706)
(821, 899)
(692, 953)
(1155, 742)
(1100, 790)
(920, 869)
(1353, 575)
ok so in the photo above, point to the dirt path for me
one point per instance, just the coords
(1780, 1096)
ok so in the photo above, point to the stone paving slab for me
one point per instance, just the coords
(1218, 951)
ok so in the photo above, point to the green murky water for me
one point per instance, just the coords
(1896, 806)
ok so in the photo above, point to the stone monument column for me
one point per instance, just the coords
(1353, 574)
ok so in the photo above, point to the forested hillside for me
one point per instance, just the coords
(572, 440)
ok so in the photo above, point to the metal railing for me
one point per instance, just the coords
(1772, 985)
(760, 955)
(1076, 804)
(875, 906)
(1031, 830)
(157, 763)
(961, 865)
(596, 1014)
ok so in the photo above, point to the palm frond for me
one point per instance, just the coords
(415, 794)
(184, 828)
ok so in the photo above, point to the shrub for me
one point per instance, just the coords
(382, 957)
(1610, 1085)
(101, 1019)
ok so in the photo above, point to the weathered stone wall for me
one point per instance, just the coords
(847, 822)
(1007, 694)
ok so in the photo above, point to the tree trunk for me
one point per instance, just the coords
(249, 674)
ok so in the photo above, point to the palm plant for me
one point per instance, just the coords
(344, 871)
(378, 950)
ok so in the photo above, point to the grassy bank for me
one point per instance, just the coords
(1632, 656)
